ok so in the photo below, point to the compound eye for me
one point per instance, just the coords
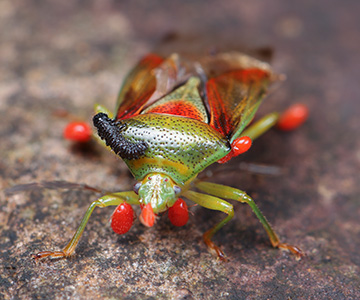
(177, 190)
(137, 187)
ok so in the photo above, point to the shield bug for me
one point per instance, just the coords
(175, 117)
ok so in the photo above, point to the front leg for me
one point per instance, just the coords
(214, 203)
(227, 192)
(107, 200)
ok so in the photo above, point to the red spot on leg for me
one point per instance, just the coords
(122, 218)
(238, 146)
(178, 214)
(241, 145)
(293, 117)
(78, 132)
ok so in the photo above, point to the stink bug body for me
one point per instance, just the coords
(175, 117)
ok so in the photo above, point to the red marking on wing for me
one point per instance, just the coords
(178, 108)
(138, 87)
(229, 97)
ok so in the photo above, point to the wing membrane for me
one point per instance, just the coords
(232, 86)
(150, 80)
(138, 87)
(233, 98)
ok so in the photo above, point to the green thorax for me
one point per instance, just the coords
(177, 146)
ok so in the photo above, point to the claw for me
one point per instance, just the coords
(213, 248)
(50, 254)
(293, 249)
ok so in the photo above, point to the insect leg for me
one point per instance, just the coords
(238, 195)
(261, 126)
(214, 203)
(107, 200)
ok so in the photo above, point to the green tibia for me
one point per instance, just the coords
(107, 200)
(177, 146)
(158, 190)
(261, 126)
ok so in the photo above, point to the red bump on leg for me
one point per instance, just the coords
(241, 145)
(78, 132)
(122, 218)
(293, 117)
(238, 146)
(178, 214)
